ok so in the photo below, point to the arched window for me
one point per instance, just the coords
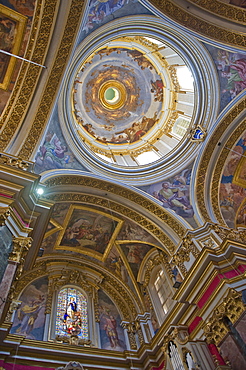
(72, 313)
(163, 290)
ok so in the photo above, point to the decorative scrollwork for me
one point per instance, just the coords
(232, 307)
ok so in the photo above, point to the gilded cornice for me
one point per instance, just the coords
(25, 85)
(56, 73)
(194, 23)
(204, 162)
(223, 10)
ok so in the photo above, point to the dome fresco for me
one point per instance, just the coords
(118, 96)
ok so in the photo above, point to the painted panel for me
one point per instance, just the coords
(29, 319)
(111, 333)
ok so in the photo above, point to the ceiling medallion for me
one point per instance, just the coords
(112, 94)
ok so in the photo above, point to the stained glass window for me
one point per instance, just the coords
(72, 314)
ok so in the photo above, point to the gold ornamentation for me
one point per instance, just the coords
(153, 262)
(4, 214)
(20, 21)
(73, 340)
(120, 89)
(21, 246)
(29, 73)
(55, 75)
(232, 307)
(130, 327)
(13, 161)
(67, 277)
(198, 25)
(204, 162)
(158, 211)
(12, 308)
(222, 10)
(109, 284)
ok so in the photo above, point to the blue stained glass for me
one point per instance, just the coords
(72, 314)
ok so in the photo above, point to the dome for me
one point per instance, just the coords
(131, 105)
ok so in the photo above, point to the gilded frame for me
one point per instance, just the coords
(89, 252)
(20, 24)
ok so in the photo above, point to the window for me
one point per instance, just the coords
(72, 313)
(163, 290)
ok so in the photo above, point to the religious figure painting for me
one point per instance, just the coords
(111, 333)
(29, 318)
(135, 253)
(233, 185)
(131, 231)
(89, 232)
(174, 194)
(231, 69)
(12, 26)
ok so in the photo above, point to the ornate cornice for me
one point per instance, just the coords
(223, 10)
(29, 73)
(54, 79)
(121, 191)
(204, 162)
(194, 23)
(232, 307)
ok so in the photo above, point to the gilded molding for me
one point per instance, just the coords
(29, 73)
(232, 307)
(23, 70)
(4, 214)
(118, 190)
(198, 25)
(223, 10)
(13, 161)
(204, 162)
(153, 262)
(54, 79)
(130, 327)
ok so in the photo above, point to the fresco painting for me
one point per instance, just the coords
(53, 152)
(174, 194)
(131, 231)
(111, 333)
(135, 252)
(135, 111)
(29, 318)
(233, 185)
(115, 263)
(231, 69)
(89, 230)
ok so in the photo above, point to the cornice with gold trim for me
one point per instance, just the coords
(204, 162)
(29, 74)
(198, 25)
(54, 79)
